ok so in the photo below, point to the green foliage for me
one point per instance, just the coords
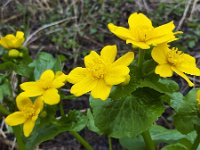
(47, 129)
(128, 116)
(43, 62)
(187, 109)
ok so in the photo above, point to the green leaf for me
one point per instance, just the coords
(127, 117)
(45, 130)
(5, 89)
(152, 81)
(186, 109)
(176, 146)
(158, 134)
(43, 62)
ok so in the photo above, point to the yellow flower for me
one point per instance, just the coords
(142, 34)
(46, 87)
(101, 73)
(12, 42)
(27, 114)
(172, 60)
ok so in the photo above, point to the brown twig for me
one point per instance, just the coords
(184, 15)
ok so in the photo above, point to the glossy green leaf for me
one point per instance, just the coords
(158, 134)
(187, 111)
(130, 116)
(43, 62)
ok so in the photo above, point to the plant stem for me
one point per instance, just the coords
(62, 110)
(19, 137)
(196, 142)
(81, 140)
(110, 143)
(140, 60)
(148, 140)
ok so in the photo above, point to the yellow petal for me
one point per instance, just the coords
(3, 43)
(51, 96)
(91, 59)
(23, 102)
(47, 75)
(38, 104)
(139, 20)
(108, 53)
(188, 65)
(15, 118)
(101, 90)
(121, 32)
(164, 70)
(31, 89)
(20, 35)
(28, 127)
(84, 86)
(139, 44)
(59, 80)
(77, 74)
(124, 60)
(116, 75)
(159, 53)
(183, 76)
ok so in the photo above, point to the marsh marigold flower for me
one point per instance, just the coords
(46, 87)
(142, 34)
(173, 60)
(101, 73)
(11, 41)
(27, 114)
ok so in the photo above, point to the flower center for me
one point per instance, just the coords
(29, 112)
(173, 56)
(97, 69)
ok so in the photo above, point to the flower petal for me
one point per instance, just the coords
(31, 89)
(84, 86)
(15, 118)
(59, 80)
(183, 76)
(116, 75)
(164, 70)
(139, 20)
(101, 90)
(159, 53)
(188, 65)
(47, 75)
(38, 104)
(108, 53)
(91, 59)
(23, 102)
(51, 96)
(77, 74)
(121, 32)
(124, 60)
(139, 44)
(28, 127)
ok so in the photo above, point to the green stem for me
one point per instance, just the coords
(148, 140)
(19, 137)
(140, 60)
(81, 140)
(196, 142)
(110, 143)
(62, 110)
